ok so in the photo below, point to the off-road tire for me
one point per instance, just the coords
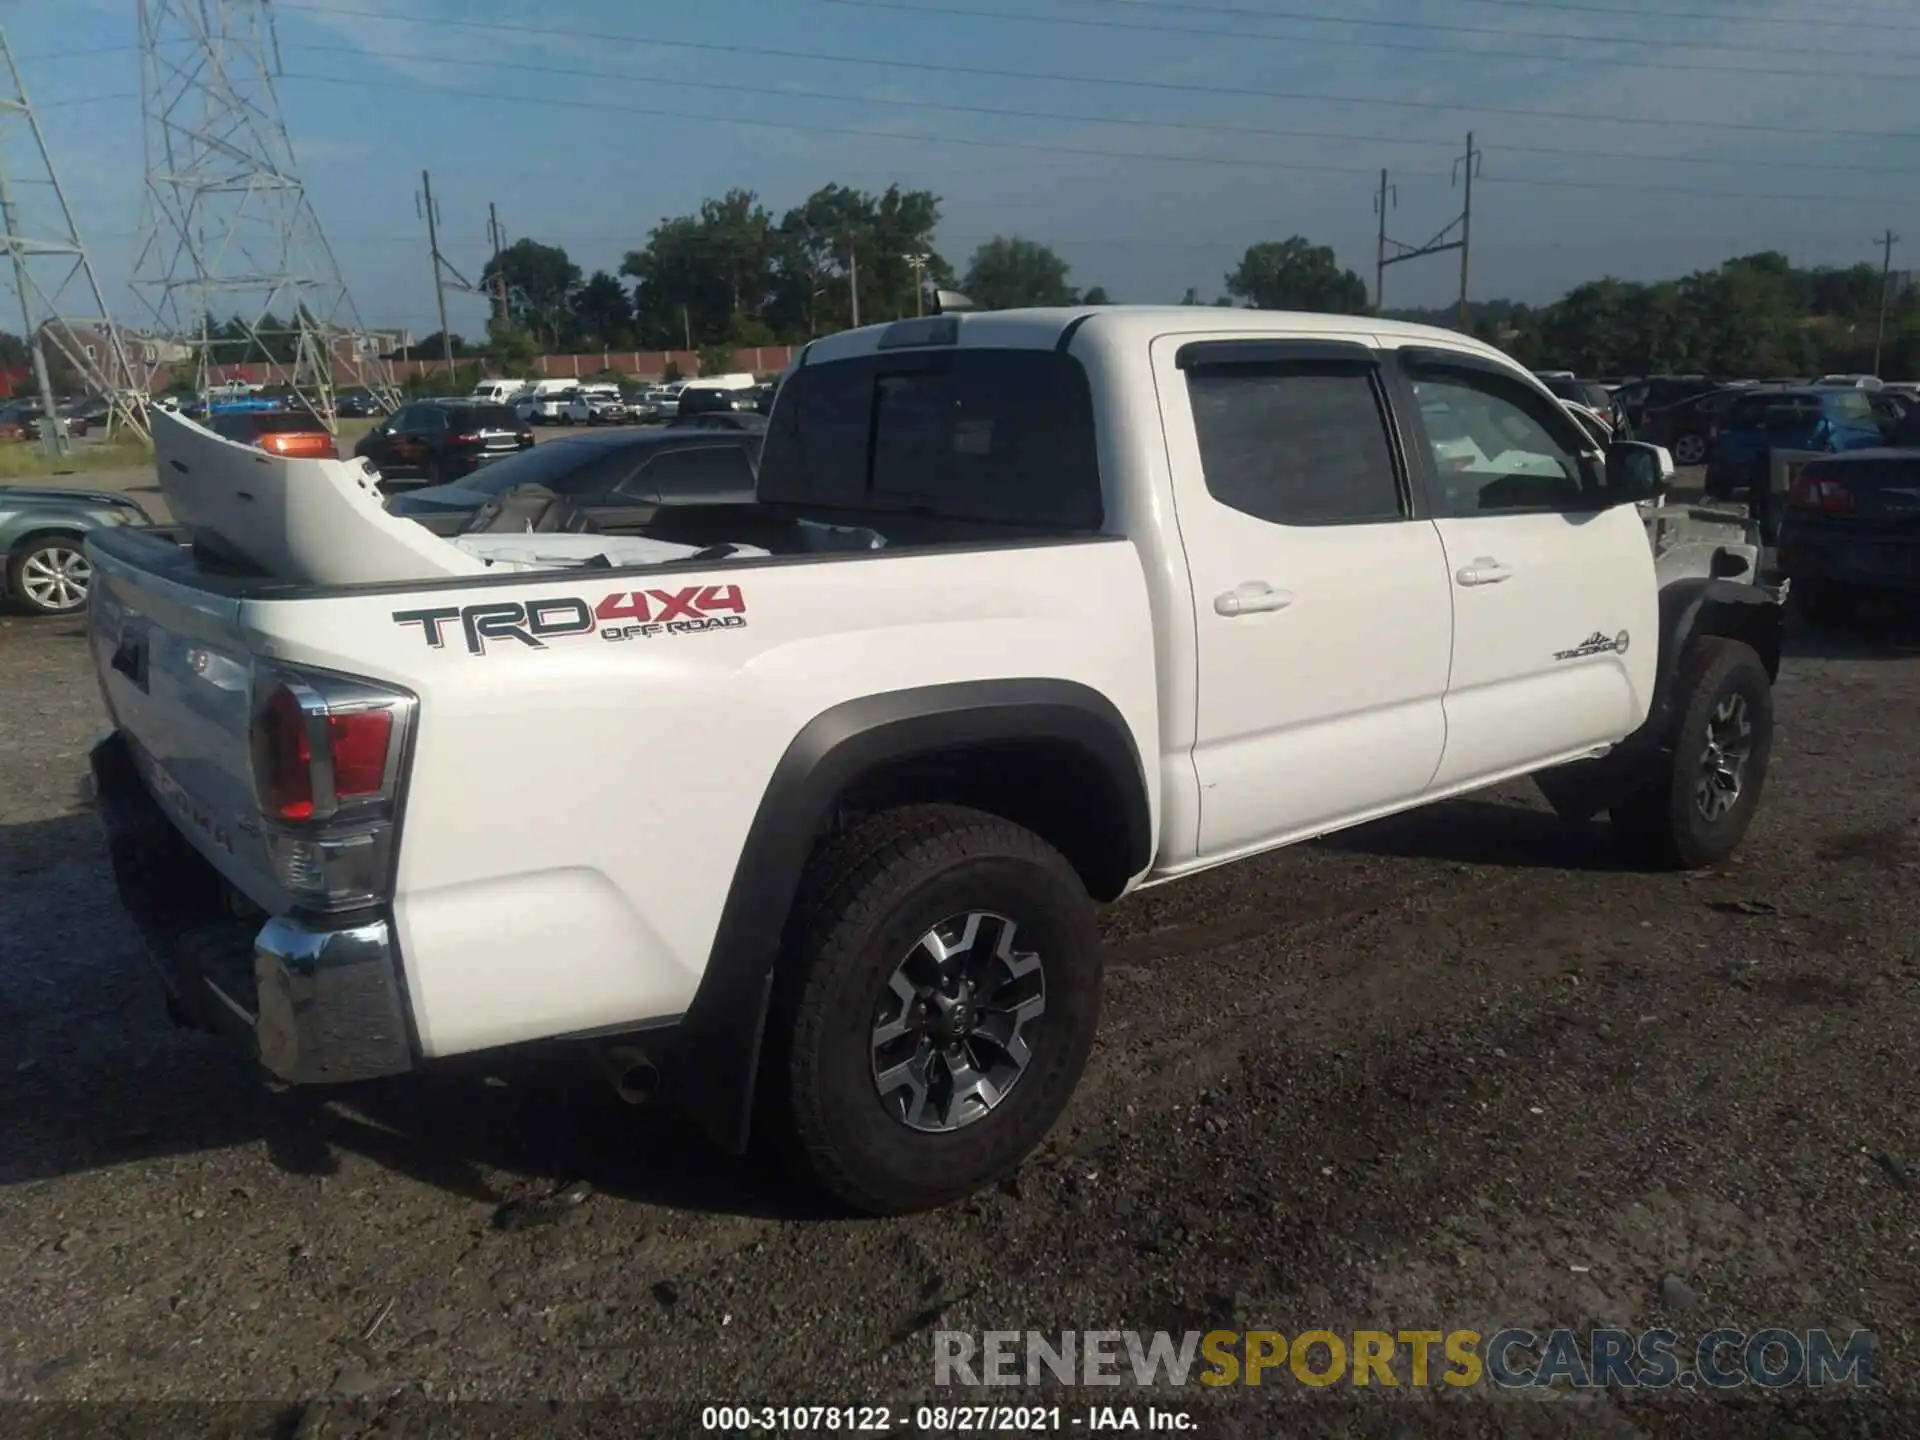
(1658, 821)
(866, 900)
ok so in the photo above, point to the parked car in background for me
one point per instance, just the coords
(1850, 531)
(441, 440)
(746, 420)
(1827, 420)
(293, 433)
(1686, 427)
(605, 404)
(499, 392)
(710, 399)
(560, 407)
(626, 471)
(20, 420)
(1589, 393)
(641, 410)
(44, 546)
(665, 401)
(1658, 391)
(356, 405)
(1854, 381)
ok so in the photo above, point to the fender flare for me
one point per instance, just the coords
(1699, 606)
(719, 1040)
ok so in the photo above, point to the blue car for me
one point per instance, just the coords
(1827, 420)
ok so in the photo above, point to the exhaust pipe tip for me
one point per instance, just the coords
(632, 1075)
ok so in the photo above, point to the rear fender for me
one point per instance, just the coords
(718, 1045)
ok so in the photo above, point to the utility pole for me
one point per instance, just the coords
(1466, 165)
(1393, 252)
(439, 287)
(1887, 242)
(853, 282)
(918, 260)
(686, 326)
(1388, 196)
(494, 236)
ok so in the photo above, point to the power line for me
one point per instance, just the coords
(1164, 86)
(790, 126)
(1200, 126)
(1719, 17)
(1422, 47)
(1375, 23)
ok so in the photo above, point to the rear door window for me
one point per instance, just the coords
(1296, 444)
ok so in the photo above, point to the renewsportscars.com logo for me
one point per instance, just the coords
(1604, 1358)
(623, 615)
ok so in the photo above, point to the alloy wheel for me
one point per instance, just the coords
(950, 1032)
(1723, 763)
(55, 577)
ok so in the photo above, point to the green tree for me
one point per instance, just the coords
(511, 346)
(1295, 274)
(603, 313)
(716, 360)
(1096, 295)
(540, 281)
(1008, 272)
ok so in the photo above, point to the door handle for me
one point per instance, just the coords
(1251, 598)
(1485, 570)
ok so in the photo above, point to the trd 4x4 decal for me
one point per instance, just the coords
(623, 615)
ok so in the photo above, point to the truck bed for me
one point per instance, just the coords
(592, 745)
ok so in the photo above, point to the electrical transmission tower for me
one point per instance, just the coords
(60, 301)
(227, 228)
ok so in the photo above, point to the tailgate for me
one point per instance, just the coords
(177, 677)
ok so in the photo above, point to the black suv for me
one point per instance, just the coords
(441, 440)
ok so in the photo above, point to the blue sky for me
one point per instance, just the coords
(468, 102)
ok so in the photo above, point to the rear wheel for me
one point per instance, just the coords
(1689, 449)
(937, 1010)
(1693, 805)
(51, 575)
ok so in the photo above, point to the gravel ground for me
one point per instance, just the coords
(1456, 1069)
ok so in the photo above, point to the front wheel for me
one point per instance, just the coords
(1689, 449)
(50, 576)
(937, 1007)
(1692, 807)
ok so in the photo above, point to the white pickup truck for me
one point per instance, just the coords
(1034, 608)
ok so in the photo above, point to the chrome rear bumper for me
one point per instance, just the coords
(319, 1005)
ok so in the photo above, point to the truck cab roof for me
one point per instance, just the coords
(1125, 325)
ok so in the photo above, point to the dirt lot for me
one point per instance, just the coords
(1452, 1070)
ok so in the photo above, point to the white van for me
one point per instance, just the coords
(498, 392)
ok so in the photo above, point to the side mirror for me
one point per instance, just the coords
(1637, 471)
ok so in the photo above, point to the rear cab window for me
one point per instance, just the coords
(997, 436)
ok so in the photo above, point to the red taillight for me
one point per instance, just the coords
(474, 439)
(357, 745)
(526, 437)
(1812, 490)
(359, 741)
(283, 760)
